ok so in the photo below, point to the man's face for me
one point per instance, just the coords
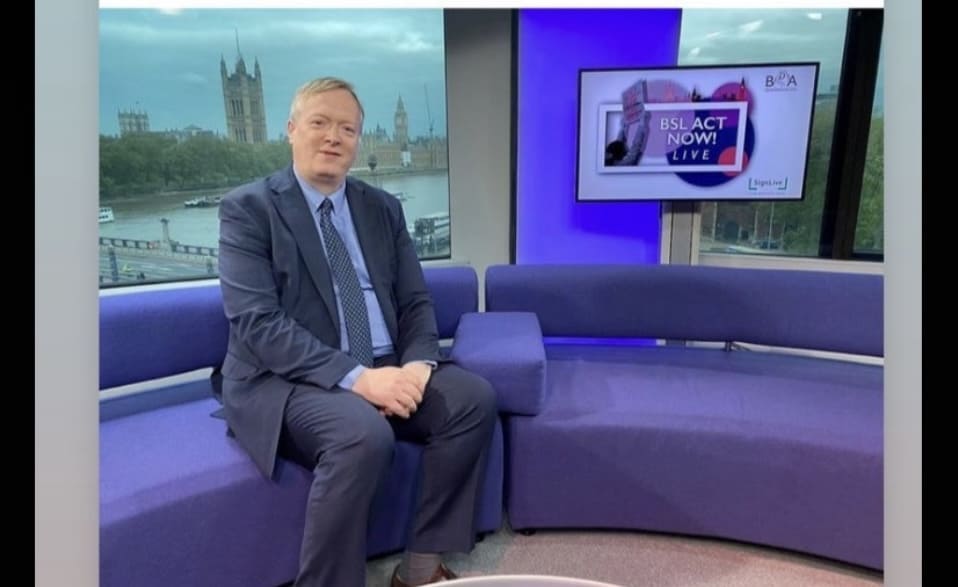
(324, 135)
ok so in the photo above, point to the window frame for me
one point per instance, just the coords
(846, 168)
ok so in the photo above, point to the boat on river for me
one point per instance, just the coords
(203, 202)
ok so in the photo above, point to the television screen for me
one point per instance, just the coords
(695, 133)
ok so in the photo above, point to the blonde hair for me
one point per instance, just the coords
(318, 86)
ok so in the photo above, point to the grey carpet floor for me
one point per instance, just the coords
(636, 559)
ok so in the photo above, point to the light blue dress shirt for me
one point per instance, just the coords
(343, 221)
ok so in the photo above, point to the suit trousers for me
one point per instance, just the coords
(349, 446)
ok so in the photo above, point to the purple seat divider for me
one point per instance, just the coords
(505, 348)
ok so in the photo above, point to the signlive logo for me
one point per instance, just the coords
(755, 185)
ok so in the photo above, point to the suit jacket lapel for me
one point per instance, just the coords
(292, 207)
(372, 233)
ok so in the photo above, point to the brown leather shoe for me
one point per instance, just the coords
(442, 574)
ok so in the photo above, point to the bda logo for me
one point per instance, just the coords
(783, 80)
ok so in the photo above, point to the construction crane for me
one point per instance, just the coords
(428, 112)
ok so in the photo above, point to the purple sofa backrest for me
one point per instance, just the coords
(150, 334)
(841, 312)
(455, 291)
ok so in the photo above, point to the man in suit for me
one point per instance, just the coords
(333, 351)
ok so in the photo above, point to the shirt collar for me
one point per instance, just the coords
(315, 197)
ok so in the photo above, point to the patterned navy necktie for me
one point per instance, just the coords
(350, 294)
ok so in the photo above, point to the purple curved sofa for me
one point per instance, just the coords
(180, 502)
(607, 429)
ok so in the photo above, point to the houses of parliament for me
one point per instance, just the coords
(246, 123)
(245, 112)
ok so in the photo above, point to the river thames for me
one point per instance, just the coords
(139, 218)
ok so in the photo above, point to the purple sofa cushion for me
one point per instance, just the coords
(827, 311)
(182, 504)
(818, 401)
(175, 504)
(780, 450)
(505, 348)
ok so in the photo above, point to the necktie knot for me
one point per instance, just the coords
(326, 208)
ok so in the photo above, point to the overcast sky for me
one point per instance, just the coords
(755, 35)
(167, 63)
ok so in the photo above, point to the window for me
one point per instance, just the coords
(195, 102)
(805, 228)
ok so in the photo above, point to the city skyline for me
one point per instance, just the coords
(166, 63)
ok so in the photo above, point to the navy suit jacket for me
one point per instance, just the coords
(279, 300)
